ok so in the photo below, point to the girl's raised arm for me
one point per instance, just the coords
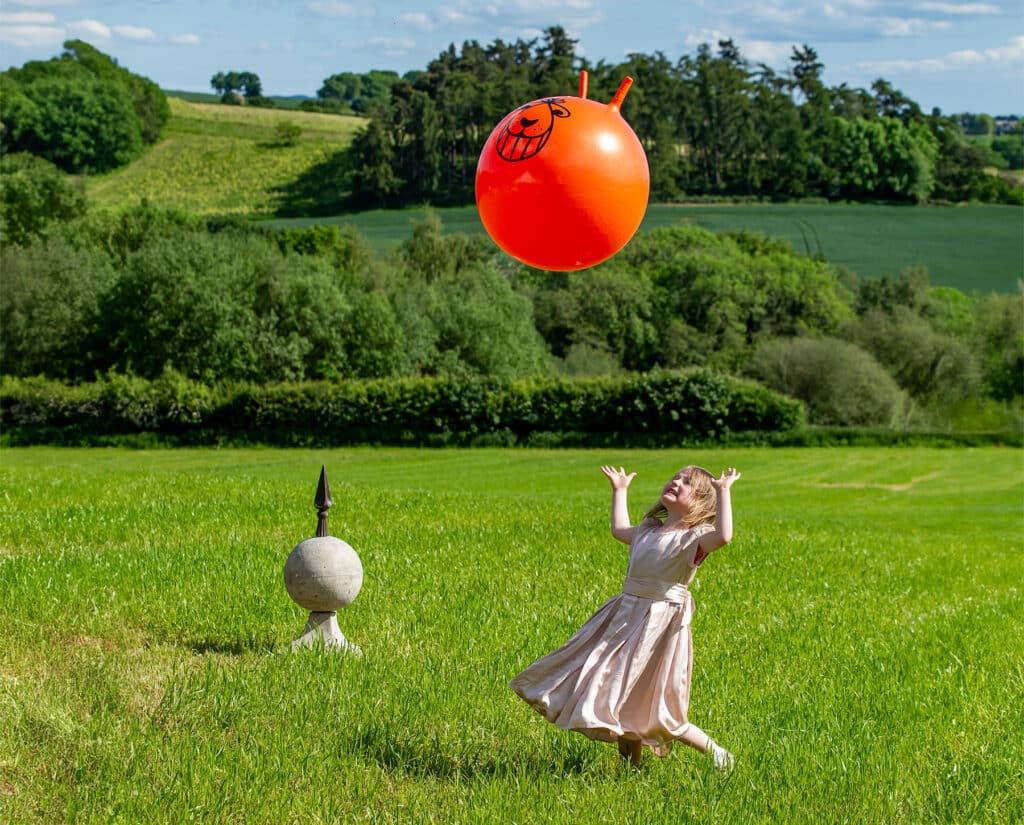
(621, 528)
(722, 534)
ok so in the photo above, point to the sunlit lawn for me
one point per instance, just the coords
(859, 646)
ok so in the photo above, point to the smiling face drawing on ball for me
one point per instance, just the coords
(527, 129)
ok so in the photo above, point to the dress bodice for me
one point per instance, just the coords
(666, 555)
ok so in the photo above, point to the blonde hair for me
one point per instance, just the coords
(703, 502)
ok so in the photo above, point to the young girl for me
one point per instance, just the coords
(625, 675)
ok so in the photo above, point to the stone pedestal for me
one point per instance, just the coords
(322, 629)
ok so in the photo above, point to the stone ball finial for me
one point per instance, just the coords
(323, 574)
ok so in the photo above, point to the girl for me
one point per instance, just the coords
(625, 675)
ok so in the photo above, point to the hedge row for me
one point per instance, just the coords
(653, 409)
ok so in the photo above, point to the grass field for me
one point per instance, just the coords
(858, 646)
(973, 248)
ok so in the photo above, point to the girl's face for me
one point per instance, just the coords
(678, 493)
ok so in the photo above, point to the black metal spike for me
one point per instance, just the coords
(323, 502)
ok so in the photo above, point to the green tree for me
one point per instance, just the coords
(720, 295)
(721, 127)
(554, 64)
(80, 111)
(882, 158)
(361, 93)
(50, 308)
(375, 180)
(33, 194)
(228, 84)
(815, 102)
(73, 119)
(999, 341)
(655, 109)
(148, 101)
(1010, 147)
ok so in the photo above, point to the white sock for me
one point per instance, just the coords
(722, 759)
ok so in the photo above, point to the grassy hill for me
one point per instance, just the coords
(218, 159)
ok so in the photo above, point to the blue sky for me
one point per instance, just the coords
(959, 55)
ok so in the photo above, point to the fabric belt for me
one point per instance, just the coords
(660, 591)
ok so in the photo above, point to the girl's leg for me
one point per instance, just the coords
(696, 738)
(631, 749)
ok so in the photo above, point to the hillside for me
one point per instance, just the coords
(218, 159)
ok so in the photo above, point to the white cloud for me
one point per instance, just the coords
(834, 12)
(958, 8)
(32, 37)
(455, 17)
(135, 32)
(27, 18)
(778, 15)
(185, 39)
(90, 27)
(418, 20)
(391, 43)
(709, 36)
(909, 26)
(766, 51)
(50, 4)
(552, 6)
(332, 8)
(1011, 54)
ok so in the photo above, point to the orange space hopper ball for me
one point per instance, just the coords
(562, 182)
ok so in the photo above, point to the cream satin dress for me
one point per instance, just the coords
(626, 673)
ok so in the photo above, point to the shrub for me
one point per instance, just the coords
(50, 308)
(33, 194)
(840, 383)
(655, 409)
(929, 365)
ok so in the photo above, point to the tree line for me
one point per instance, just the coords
(712, 124)
(150, 292)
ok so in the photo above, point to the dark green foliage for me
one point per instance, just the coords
(925, 337)
(148, 101)
(933, 367)
(80, 111)
(1010, 148)
(999, 333)
(656, 409)
(682, 296)
(240, 304)
(34, 194)
(286, 133)
(228, 84)
(840, 383)
(360, 93)
(50, 308)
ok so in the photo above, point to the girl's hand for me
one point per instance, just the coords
(619, 478)
(725, 481)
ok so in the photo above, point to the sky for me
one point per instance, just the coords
(957, 55)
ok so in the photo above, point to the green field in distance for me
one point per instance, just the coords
(977, 248)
